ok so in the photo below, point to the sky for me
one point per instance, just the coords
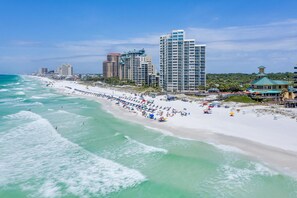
(240, 35)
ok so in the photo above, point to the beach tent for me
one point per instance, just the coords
(150, 101)
(152, 116)
(170, 97)
(162, 119)
(205, 103)
(215, 104)
(207, 111)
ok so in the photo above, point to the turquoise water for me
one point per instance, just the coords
(60, 146)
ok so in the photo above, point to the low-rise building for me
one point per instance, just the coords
(263, 87)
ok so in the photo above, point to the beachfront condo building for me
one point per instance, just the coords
(65, 70)
(42, 71)
(182, 63)
(111, 67)
(295, 77)
(136, 66)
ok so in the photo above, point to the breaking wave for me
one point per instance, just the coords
(20, 93)
(45, 164)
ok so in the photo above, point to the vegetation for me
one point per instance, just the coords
(147, 89)
(110, 81)
(232, 82)
(235, 82)
(92, 78)
(242, 99)
(117, 81)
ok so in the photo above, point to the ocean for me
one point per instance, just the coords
(52, 145)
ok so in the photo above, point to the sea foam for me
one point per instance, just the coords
(138, 147)
(42, 162)
(37, 97)
(3, 90)
(165, 132)
(71, 115)
(17, 89)
(235, 174)
(29, 104)
(227, 148)
(132, 147)
(11, 100)
(23, 115)
(19, 93)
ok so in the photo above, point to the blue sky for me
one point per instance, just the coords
(240, 34)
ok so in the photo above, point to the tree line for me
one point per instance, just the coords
(231, 82)
(240, 82)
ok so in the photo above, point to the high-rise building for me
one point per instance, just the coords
(145, 69)
(295, 77)
(65, 70)
(42, 71)
(136, 66)
(182, 63)
(111, 67)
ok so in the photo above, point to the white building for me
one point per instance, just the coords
(145, 69)
(42, 71)
(182, 63)
(65, 70)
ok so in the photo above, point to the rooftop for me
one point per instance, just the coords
(265, 91)
(114, 53)
(267, 81)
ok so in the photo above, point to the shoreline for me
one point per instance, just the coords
(284, 161)
(274, 158)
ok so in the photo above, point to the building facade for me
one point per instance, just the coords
(182, 63)
(295, 77)
(42, 71)
(111, 67)
(264, 88)
(65, 70)
(136, 66)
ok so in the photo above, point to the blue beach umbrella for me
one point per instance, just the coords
(151, 116)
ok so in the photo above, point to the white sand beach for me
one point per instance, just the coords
(264, 133)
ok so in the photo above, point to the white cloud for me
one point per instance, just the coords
(229, 49)
(243, 48)
(272, 36)
(22, 43)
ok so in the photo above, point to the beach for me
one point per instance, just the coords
(65, 139)
(258, 132)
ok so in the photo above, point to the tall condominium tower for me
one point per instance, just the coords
(42, 71)
(136, 66)
(182, 63)
(295, 77)
(65, 70)
(111, 67)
